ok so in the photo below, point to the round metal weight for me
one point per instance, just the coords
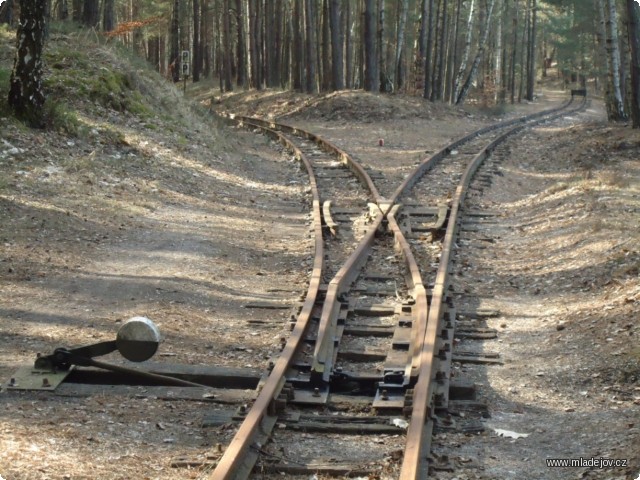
(138, 339)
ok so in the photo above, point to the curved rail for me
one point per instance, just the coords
(421, 426)
(238, 458)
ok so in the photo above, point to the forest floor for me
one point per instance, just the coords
(135, 201)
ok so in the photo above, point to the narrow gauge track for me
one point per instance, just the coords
(368, 339)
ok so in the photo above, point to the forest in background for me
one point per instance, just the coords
(440, 49)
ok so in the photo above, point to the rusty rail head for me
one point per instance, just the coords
(328, 146)
(418, 433)
(324, 347)
(419, 291)
(232, 459)
(430, 161)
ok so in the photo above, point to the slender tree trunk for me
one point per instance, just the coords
(385, 82)
(310, 24)
(226, 43)
(524, 50)
(514, 54)
(108, 17)
(326, 48)
(531, 56)
(174, 60)
(371, 60)
(26, 95)
(277, 60)
(438, 78)
(400, 38)
(297, 64)
(77, 10)
(241, 53)
(349, 46)
(337, 41)
(63, 10)
(428, 52)
(195, 61)
(91, 13)
(617, 105)
(465, 55)
(453, 58)
(497, 65)
(633, 12)
(474, 68)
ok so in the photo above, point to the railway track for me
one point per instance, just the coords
(364, 378)
(372, 345)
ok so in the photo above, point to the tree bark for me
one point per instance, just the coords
(514, 54)
(226, 39)
(108, 16)
(348, 47)
(26, 95)
(297, 63)
(337, 58)
(91, 13)
(428, 51)
(465, 55)
(371, 71)
(326, 48)
(174, 60)
(310, 24)
(616, 104)
(241, 78)
(633, 12)
(400, 37)
(474, 68)
(195, 59)
(531, 55)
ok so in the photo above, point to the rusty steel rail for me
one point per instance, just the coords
(414, 464)
(328, 146)
(430, 161)
(239, 457)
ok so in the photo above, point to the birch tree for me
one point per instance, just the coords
(26, 95)
(633, 12)
(476, 62)
(371, 72)
(465, 55)
(615, 104)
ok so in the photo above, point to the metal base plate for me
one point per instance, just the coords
(28, 378)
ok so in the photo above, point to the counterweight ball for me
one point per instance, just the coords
(138, 339)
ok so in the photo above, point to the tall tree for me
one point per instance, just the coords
(26, 95)
(633, 12)
(337, 69)
(91, 13)
(195, 61)
(465, 56)
(241, 78)
(227, 54)
(615, 103)
(174, 35)
(427, 10)
(371, 71)
(531, 52)
(108, 16)
(479, 54)
(310, 26)
(403, 10)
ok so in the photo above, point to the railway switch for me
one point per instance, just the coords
(137, 340)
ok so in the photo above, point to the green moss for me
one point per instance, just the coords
(58, 117)
(5, 77)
